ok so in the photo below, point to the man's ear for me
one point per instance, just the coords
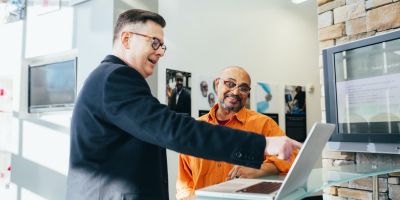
(125, 36)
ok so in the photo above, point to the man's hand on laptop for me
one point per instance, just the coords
(242, 172)
(247, 172)
(281, 146)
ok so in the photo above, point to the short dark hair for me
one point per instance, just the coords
(133, 16)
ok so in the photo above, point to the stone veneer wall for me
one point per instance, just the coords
(341, 21)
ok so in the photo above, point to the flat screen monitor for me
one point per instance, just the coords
(52, 86)
(362, 93)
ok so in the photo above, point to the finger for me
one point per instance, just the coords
(288, 152)
(236, 175)
(285, 151)
(281, 156)
(281, 152)
(238, 172)
(233, 176)
(296, 143)
(232, 171)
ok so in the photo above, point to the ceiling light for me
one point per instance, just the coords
(298, 1)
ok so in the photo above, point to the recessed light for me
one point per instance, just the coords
(298, 1)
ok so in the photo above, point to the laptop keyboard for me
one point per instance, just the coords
(262, 188)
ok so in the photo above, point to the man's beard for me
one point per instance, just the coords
(234, 108)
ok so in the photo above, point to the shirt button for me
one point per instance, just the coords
(219, 164)
(238, 154)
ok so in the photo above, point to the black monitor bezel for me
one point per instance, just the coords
(52, 107)
(330, 91)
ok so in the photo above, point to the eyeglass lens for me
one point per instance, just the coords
(242, 88)
(157, 44)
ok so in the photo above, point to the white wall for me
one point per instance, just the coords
(41, 157)
(40, 151)
(275, 40)
(10, 56)
(93, 24)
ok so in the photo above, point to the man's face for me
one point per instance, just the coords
(179, 82)
(211, 99)
(298, 89)
(233, 88)
(204, 88)
(140, 53)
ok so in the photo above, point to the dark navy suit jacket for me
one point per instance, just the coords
(184, 104)
(119, 133)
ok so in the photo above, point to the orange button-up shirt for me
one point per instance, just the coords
(195, 173)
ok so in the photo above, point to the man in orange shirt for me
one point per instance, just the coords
(233, 89)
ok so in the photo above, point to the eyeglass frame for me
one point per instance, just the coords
(236, 86)
(162, 45)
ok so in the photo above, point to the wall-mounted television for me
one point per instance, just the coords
(51, 83)
(362, 94)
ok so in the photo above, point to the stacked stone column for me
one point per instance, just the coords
(342, 21)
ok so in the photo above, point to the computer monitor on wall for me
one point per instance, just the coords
(50, 83)
(362, 94)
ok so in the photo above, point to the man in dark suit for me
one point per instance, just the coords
(180, 100)
(300, 100)
(119, 131)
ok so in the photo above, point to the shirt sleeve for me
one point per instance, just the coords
(272, 129)
(184, 181)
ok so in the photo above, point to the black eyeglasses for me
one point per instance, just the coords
(243, 88)
(155, 43)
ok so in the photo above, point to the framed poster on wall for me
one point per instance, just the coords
(266, 98)
(178, 91)
(208, 95)
(295, 112)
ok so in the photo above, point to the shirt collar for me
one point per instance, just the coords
(239, 116)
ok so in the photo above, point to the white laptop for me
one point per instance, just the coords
(294, 181)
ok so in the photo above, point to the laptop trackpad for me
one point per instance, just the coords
(262, 188)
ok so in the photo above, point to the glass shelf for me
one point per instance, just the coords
(321, 178)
